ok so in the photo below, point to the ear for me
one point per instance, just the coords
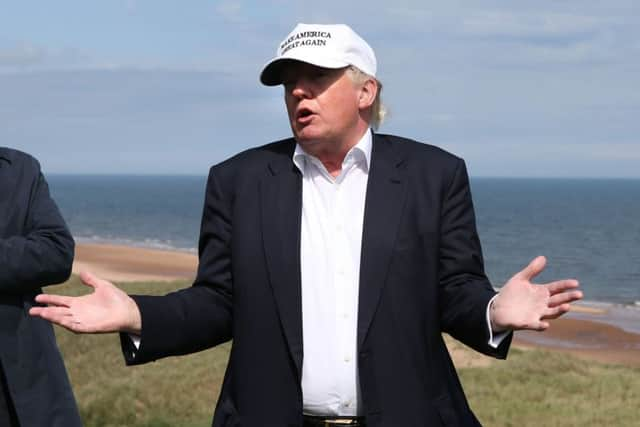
(368, 93)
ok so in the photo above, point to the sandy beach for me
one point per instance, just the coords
(587, 332)
(134, 264)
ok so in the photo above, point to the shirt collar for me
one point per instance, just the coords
(360, 152)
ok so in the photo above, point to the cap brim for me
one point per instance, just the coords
(271, 74)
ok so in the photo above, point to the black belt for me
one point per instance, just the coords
(320, 421)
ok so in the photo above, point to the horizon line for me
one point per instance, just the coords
(472, 176)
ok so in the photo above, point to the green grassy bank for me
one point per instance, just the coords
(531, 388)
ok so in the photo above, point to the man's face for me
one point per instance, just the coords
(322, 103)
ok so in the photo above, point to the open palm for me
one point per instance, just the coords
(106, 309)
(522, 304)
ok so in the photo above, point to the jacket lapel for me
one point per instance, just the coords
(383, 207)
(281, 204)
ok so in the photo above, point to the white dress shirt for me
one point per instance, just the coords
(330, 244)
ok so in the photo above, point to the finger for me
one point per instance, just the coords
(555, 312)
(52, 314)
(533, 269)
(55, 300)
(36, 311)
(543, 326)
(561, 285)
(564, 298)
(61, 316)
(539, 326)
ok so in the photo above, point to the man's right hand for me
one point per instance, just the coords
(106, 309)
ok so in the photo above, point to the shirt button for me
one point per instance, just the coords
(347, 359)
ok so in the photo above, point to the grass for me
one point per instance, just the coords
(543, 388)
(176, 391)
(531, 388)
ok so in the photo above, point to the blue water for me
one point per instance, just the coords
(153, 211)
(588, 229)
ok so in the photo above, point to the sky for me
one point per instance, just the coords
(518, 89)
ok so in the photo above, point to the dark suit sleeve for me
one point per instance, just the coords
(43, 253)
(465, 290)
(198, 317)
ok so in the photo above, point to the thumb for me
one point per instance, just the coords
(533, 269)
(89, 279)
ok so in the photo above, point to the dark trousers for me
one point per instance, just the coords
(8, 415)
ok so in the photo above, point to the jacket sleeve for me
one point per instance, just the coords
(465, 290)
(43, 253)
(199, 317)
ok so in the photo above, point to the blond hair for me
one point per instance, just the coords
(378, 109)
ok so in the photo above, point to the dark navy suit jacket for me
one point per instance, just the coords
(421, 274)
(36, 249)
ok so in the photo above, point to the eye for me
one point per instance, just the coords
(321, 73)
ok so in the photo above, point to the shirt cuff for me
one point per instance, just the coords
(495, 339)
(135, 340)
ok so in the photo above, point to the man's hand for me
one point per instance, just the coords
(106, 309)
(524, 305)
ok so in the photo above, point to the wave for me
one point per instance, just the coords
(166, 245)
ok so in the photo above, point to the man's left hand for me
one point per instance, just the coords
(520, 304)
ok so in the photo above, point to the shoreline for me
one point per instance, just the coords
(584, 306)
(120, 263)
(587, 339)
(599, 331)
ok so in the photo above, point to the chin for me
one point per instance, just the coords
(307, 137)
(306, 141)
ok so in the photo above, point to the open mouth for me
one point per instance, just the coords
(304, 115)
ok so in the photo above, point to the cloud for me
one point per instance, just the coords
(131, 6)
(173, 89)
(537, 29)
(231, 11)
(534, 39)
(27, 56)
(136, 121)
(507, 36)
(21, 55)
(623, 152)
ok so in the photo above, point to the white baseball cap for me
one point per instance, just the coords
(327, 46)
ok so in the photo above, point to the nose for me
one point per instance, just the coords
(300, 88)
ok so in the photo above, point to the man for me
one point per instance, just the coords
(334, 260)
(36, 250)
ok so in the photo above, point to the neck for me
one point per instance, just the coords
(332, 152)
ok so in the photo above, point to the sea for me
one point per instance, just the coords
(588, 229)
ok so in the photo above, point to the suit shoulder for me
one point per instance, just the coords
(256, 158)
(17, 158)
